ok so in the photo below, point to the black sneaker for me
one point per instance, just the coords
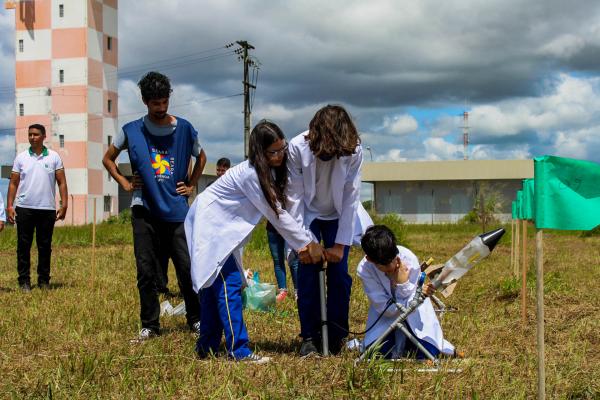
(25, 287)
(308, 347)
(44, 285)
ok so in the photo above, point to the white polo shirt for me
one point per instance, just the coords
(2, 213)
(37, 186)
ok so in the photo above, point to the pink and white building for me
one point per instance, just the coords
(66, 79)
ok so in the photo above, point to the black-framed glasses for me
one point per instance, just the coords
(275, 153)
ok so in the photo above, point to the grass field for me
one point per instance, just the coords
(73, 340)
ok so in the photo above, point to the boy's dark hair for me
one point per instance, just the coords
(332, 133)
(39, 127)
(224, 162)
(379, 244)
(155, 85)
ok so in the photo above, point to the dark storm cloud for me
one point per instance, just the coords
(371, 55)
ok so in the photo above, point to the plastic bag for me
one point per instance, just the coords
(167, 309)
(259, 297)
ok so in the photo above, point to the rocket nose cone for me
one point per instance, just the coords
(491, 238)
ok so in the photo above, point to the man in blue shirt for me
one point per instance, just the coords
(160, 148)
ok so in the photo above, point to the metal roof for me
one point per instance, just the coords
(447, 170)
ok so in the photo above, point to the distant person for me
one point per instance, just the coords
(2, 214)
(389, 273)
(324, 196)
(232, 207)
(160, 148)
(277, 247)
(223, 164)
(35, 173)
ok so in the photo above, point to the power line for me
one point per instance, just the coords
(166, 63)
(212, 99)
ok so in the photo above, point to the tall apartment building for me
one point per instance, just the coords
(66, 79)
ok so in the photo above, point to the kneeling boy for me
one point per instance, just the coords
(389, 273)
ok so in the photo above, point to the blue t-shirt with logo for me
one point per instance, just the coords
(161, 162)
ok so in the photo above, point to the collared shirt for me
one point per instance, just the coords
(2, 212)
(37, 173)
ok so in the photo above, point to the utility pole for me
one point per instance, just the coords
(243, 51)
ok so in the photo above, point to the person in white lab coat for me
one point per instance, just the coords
(389, 273)
(2, 214)
(324, 196)
(219, 223)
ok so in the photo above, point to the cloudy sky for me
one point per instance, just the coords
(527, 71)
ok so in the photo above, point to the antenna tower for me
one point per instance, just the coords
(466, 135)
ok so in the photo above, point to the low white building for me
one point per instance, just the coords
(444, 191)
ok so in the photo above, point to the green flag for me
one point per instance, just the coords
(528, 199)
(520, 204)
(567, 193)
(514, 210)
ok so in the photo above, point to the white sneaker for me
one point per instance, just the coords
(196, 328)
(145, 334)
(256, 359)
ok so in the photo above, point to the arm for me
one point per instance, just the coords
(294, 234)
(109, 163)
(407, 276)
(61, 179)
(2, 214)
(15, 179)
(187, 190)
(295, 185)
(350, 200)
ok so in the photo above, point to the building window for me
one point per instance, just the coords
(61, 141)
(61, 10)
(107, 204)
(61, 76)
(109, 43)
(21, 109)
(21, 46)
(109, 106)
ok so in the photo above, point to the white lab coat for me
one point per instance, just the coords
(345, 186)
(222, 217)
(423, 321)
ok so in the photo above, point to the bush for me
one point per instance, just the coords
(396, 224)
(124, 217)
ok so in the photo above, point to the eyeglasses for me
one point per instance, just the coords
(275, 153)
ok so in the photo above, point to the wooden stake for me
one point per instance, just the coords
(524, 277)
(512, 244)
(517, 249)
(94, 244)
(539, 262)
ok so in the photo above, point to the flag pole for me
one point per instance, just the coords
(94, 245)
(512, 244)
(539, 261)
(517, 249)
(524, 276)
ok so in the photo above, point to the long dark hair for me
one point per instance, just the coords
(332, 133)
(264, 134)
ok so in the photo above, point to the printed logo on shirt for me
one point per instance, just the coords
(162, 164)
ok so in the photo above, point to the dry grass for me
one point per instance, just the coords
(73, 341)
